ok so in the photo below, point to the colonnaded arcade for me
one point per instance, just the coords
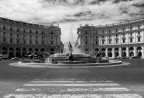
(19, 38)
(124, 39)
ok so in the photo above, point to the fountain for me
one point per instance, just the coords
(70, 59)
(77, 59)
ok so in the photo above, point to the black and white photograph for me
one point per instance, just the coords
(71, 48)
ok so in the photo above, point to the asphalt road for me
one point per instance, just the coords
(130, 77)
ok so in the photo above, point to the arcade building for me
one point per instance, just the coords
(124, 39)
(19, 38)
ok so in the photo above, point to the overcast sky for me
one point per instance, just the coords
(69, 14)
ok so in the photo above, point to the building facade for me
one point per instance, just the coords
(20, 38)
(116, 40)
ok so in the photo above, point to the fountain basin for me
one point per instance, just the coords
(77, 59)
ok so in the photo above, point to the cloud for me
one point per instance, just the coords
(70, 13)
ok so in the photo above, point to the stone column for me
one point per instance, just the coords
(0, 50)
(127, 51)
(120, 52)
(106, 52)
(113, 53)
(142, 51)
(135, 51)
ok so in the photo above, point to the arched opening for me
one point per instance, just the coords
(4, 50)
(86, 50)
(42, 50)
(17, 52)
(116, 52)
(11, 52)
(51, 51)
(36, 51)
(123, 52)
(96, 49)
(131, 53)
(139, 53)
(103, 52)
(24, 53)
(30, 51)
(110, 52)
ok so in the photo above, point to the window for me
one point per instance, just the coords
(86, 37)
(86, 42)
(42, 37)
(116, 41)
(4, 27)
(42, 42)
(17, 35)
(103, 31)
(24, 31)
(116, 30)
(4, 39)
(36, 36)
(30, 36)
(10, 34)
(11, 28)
(51, 32)
(24, 41)
(138, 26)
(18, 41)
(123, 40)
(103, 41)
(42, 32)
(109, 41)
(109, 31)
(96, 32)
(18, 30)
(11, 41)
(130, 28)
(131, 40)
(96, 42)
(51, 42)
(30, 31)
(139, 39)
(116, 35)
(138, 32)
(30, 42)
(36, 42)
(36, 32)
(123, 29)
(86, 32)
(4, 33)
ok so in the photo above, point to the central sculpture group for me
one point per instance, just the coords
(74, 58)
(69, 55)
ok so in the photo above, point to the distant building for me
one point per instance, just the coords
(116, 40)
(20, 38)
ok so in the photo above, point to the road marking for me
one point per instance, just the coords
(94, 84)
(70, 81)
(74, 89)
(73, 96)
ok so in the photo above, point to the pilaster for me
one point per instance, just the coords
(127, 51)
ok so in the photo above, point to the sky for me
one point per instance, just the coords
(70, 14)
